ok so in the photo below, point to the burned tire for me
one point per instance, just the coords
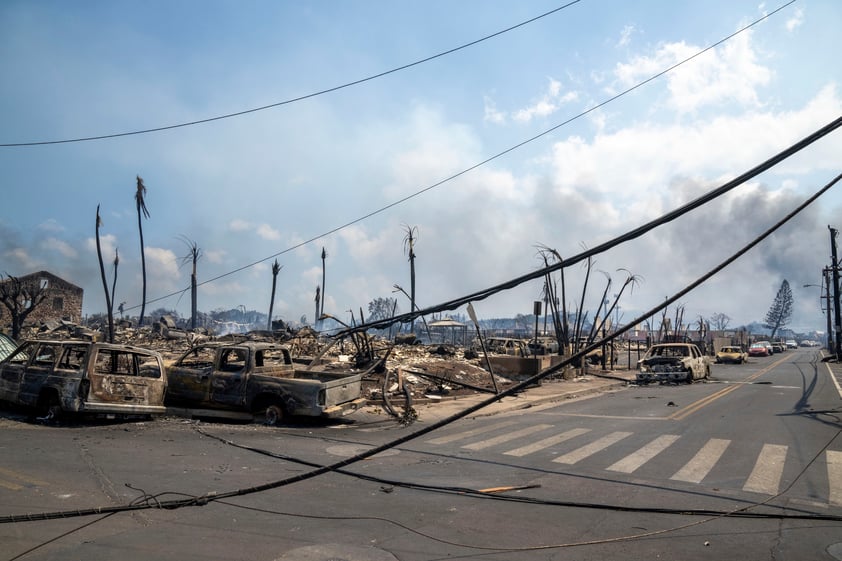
(274, 415)
(48, 409)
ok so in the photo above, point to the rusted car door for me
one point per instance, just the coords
(124, 377)
(39, 371)
(228, 385)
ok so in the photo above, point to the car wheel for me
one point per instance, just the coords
(49, 408)
(274, 415)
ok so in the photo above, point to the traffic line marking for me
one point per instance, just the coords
(469, 433)
(834, 477)
(482, 444)
(697, 468)
(633, 461)
(8, 475)
(766, 475)
(685, 412)
(546, 442)
(592, 448)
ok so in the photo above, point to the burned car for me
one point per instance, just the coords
(66, 376)
(672, 362)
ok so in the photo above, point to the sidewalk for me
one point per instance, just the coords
(550, 391)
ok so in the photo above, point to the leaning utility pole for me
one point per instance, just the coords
(837, 315)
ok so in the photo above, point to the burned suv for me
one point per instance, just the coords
(54, 377)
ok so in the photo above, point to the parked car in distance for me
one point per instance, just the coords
(543, 346)
(759, 349)
(791, 344)
(778, 347)
(732, 354)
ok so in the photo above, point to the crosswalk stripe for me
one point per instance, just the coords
(506, 437)
(696, 469)
(546, 442)
(633, 461)
(469, 433)
(834, 477)
(592, 448)
(766, 475)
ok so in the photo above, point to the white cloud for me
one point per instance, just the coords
(547, 104)
(266, 232)
(21, 256)
(61, 246)
(796, 20)
(238, 225)
(107, 243)
(726, 74)
(491, 114)
(51, 225)
(625, 36)
(215, 256)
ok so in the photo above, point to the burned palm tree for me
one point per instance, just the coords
(317, 321)
(321, 307)
(409, 247)
(114, 285)
(140, 202)
(276, 268)
(104, 281)
(192, 257)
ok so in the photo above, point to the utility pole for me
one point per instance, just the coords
(837, 314)
(828, 337)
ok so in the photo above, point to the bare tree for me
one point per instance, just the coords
(409, 247)
(276, 268)
(322, 305)
(20, 298)
(317, 321)
(192, 257)
(114, 285)
(104, 280)
(140, 201)
(719, 321)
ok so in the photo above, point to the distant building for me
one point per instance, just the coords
(63, 301)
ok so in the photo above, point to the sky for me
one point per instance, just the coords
(562, 133)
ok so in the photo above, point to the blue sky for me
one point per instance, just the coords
(248, 188)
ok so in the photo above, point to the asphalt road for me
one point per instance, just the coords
(745, 466)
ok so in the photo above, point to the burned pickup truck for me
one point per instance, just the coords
(672, 362)
(258, 380)
(56, 377)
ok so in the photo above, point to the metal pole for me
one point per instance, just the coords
(837, 314)
(828, 337)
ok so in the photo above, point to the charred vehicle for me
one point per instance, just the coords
(55, 377)
(258, 380)
(672, 362)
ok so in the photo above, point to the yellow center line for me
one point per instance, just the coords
(15, 475)
(685, 412)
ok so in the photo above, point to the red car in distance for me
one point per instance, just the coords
(758, 349)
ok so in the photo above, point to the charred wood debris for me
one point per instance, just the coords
(412, 372)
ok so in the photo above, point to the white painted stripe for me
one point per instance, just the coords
(833, 378)
(633, 461)
(592, 448)
(697, 469)
(469, 433)
(766, 475)
(834, 477)
(482, 444)
(546, 442)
